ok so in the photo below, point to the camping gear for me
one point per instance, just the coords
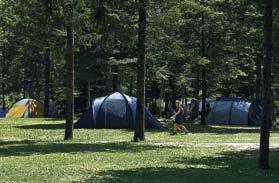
(2, 112)
(116, 110)
(26, 108)
(235, 111)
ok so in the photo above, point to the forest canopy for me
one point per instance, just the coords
(33, 33)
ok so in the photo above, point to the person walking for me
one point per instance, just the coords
(178, 119)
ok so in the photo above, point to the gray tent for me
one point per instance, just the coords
(235, 111)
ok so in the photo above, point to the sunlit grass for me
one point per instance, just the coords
(33, 150)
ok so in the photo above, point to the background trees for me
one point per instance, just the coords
(33, 46)
(106, 35)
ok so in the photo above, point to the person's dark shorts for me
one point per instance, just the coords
(179, 119)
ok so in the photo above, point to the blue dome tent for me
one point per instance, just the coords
(235, 111)
(116, 110)
(2, 113)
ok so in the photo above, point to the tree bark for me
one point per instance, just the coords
(173, 93)
(47, 59)
(37, 87)
(3, 77)
(88, 94)
(258, 86)
(47, 76)
(140, 121)
(131, 86)
(197, 86)
(185, 96)
(203, 74)
(267, 100)
(115, 79)
(70, 83)
(167, 102)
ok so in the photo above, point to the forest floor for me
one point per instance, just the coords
(33, 150)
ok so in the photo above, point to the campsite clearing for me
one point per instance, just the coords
(32, 150)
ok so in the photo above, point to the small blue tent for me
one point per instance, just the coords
(235, 111)
(116, 110)
(2, 113)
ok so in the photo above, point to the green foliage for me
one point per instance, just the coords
(106, 35)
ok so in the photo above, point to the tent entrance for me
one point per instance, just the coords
(115, 114)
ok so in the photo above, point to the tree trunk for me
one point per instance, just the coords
(88, 94)
(140, 121)
(173, 94)
(3, 77)
(167, 102)
(203, 74)
(70, 83)
(37, 70)
(185, 96)
(267, 101)
(107, 88)
(131, 86)
(197, 89)
(47, 59)
(115, 79)
(47, 76)
(258, 86)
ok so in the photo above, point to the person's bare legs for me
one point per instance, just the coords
(182, 127)
(175, 128)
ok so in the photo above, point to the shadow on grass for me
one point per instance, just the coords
(28, 148)
(54, 126)
(197, 128)
(229, 167)
(2, 143)
(43, 126)
(194, 128)
(54, 119)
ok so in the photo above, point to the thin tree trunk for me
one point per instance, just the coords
(173, 94)
(88, 94)
(115, 79)
(37, 70)
(3, 77)
(185, 96)
(70, 83)
(203, 74)
(197, 89)
(167, 102)
(47, 59)
(47, 78)
(107, 85)
(140, 121)
(131, 86)
(258, 78)
(267, 100)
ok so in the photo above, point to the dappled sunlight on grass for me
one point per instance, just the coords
(33, 150)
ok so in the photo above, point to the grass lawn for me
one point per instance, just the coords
(33, 150)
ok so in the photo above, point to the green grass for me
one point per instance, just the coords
(33, 150)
